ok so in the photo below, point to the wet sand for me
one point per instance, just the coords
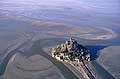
(37, 30)
(109, 59)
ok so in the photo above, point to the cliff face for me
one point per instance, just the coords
(71, 50)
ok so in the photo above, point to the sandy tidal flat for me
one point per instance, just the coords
(34, 67)
(109, 59)
(62, 29)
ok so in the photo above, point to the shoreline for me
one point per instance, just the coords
(96, 74)
(55, 40)
(46, 53)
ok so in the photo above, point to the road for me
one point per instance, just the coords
(88, 72)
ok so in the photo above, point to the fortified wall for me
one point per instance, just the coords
(70, 50)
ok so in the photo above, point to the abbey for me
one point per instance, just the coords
(71, 50)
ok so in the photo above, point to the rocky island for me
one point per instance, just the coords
(74, 54)
(71, 50)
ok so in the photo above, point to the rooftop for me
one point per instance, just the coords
(71, 50)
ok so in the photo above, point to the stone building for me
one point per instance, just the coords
(70, 50)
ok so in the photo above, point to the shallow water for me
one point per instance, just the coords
(93, 13)
(98, 13)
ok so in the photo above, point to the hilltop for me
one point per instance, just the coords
(70, 50)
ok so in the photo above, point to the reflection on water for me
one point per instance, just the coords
(94, 13)
(81, 12)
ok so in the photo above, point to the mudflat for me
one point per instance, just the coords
(109, 59)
